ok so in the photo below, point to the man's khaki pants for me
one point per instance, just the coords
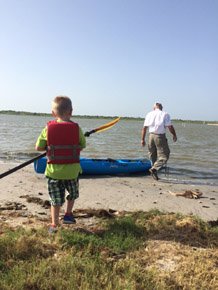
(158, 149)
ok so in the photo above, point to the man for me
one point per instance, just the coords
(157, 121)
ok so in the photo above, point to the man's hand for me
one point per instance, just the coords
(143, 143)
(143, 134)
(173, 132)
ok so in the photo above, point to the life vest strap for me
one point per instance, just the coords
(54, 147)
(51, 152)
(52, 158)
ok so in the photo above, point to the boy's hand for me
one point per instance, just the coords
(87, 134)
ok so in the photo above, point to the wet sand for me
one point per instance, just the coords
(23, 194)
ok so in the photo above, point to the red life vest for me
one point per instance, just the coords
(63, 142)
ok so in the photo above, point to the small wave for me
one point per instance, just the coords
(189, 176)
(17, 156)
(187, 181)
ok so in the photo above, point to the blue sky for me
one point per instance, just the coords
(112, 57)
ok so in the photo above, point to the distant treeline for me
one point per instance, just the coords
(23, 113)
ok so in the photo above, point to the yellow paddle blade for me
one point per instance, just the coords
(107, 126)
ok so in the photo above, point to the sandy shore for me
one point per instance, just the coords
(24, 192)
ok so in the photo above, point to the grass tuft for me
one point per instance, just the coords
(151, 250)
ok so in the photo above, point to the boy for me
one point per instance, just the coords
(63, 140)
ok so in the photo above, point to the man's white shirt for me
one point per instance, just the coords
(157, 121)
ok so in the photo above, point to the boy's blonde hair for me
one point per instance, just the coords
(62, 105)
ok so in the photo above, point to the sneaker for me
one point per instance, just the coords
(154, 173)
(52, 229)
(69, 219)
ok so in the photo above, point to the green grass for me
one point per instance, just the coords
(119, 236)
(142, 250)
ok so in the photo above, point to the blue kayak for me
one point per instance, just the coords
(104, 166)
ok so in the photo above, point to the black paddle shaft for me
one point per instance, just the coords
(21, 165)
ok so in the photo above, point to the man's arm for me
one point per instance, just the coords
(173, 132)
(143, 134)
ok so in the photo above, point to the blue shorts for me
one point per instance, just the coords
(57, 189)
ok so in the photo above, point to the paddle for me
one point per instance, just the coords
(103, 127)
(87, 134)
(21, 165)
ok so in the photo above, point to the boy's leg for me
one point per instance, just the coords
(57, 193)
(69, 208)
(68, 217)
(55, 210)
(72, 186)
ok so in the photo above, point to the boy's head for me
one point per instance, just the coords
(62, 106)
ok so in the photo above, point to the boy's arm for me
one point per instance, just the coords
(41, 142)
(40, 148)
(82, 139)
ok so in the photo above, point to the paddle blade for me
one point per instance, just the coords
(103, 127)
(107, 126)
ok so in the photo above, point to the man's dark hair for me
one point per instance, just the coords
(159, 106)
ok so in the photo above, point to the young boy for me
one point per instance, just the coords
(63, 140)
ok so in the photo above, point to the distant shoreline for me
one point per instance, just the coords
(23, 113)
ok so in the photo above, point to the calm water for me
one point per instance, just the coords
(194, 157)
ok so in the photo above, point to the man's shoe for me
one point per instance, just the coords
(154, 173)
(69, 219)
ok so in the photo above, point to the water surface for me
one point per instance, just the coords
(194, 157)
